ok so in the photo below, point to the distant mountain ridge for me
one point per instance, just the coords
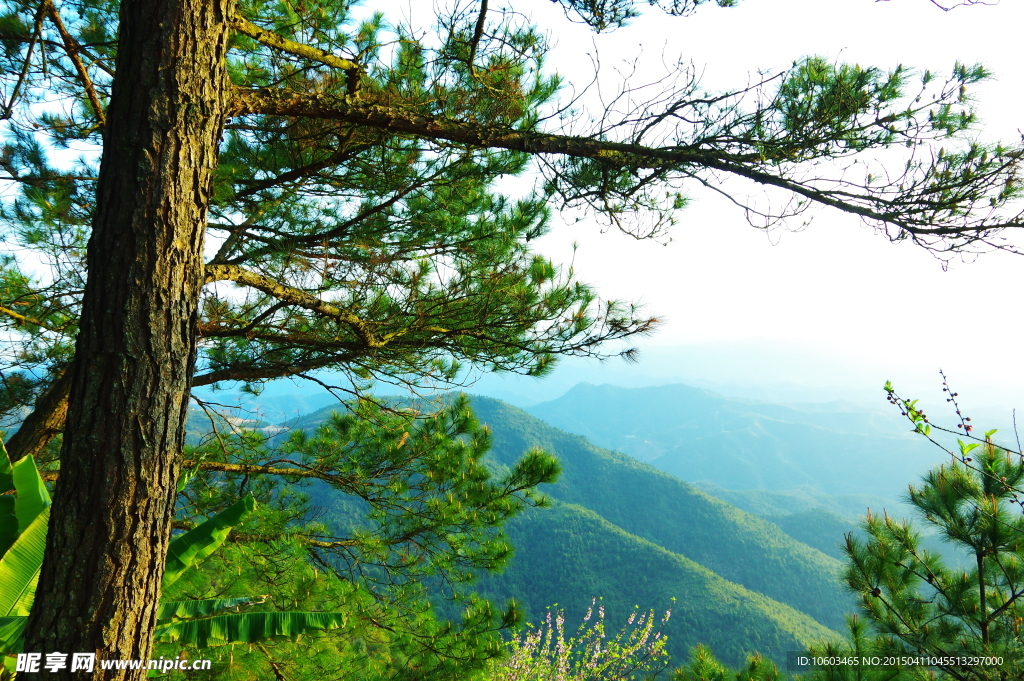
(735, 444)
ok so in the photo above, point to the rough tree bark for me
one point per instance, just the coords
(135, 353)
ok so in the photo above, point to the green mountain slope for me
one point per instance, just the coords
(797, 500)
(736, 444)
(568, 555)
(636, 536)
(670, 513)
(818, 528)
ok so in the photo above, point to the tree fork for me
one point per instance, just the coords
(135, 354)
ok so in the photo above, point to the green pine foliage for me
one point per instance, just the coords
(934, 617)
(860, 643)
(354, 221)
(919, 606)
(704, 666)
(416, 515)
(334, 245)
(376, 639)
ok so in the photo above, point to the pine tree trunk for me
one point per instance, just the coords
(135, 353)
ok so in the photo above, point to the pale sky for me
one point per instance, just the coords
(836, 286)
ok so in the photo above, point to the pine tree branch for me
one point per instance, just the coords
(72, 48)
(278, 673)
(23, 319)
(244, 537)
(79, 47)
(272, 39)
(914, 209)
(247, 372)
(292, 175)
(293, 296)
(334, 232)
(46, 420)
(35, 37)
(478, 33)
(402, 121)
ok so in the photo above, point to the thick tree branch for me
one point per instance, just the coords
(250, 469)
(898, 209)
(272, 39)
(396, 120)
(292, 296)
(478, 33)
(45, 422)
(262, 372)
(916, 209)
(72, 48)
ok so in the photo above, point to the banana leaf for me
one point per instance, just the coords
(32, 496)
(12, 634)
(192, 547)
(6, 475)
(19, 568)
(202, 608)
(8, 523)
(247, 627)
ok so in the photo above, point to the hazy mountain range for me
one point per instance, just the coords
(697, 435)
(750, 551)
(632, 535)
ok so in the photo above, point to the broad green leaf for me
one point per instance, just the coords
(192, 547)
(248, 627)
(965, 448)
(24, 604)
(19, 568)
(12, 634)
(8, 523)
(6, 474)
(204, 607)
(32, 496)
(184, 476)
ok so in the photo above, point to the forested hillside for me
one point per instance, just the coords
(657, 507)
(636, 536)
(568, 555)
(817, 528)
